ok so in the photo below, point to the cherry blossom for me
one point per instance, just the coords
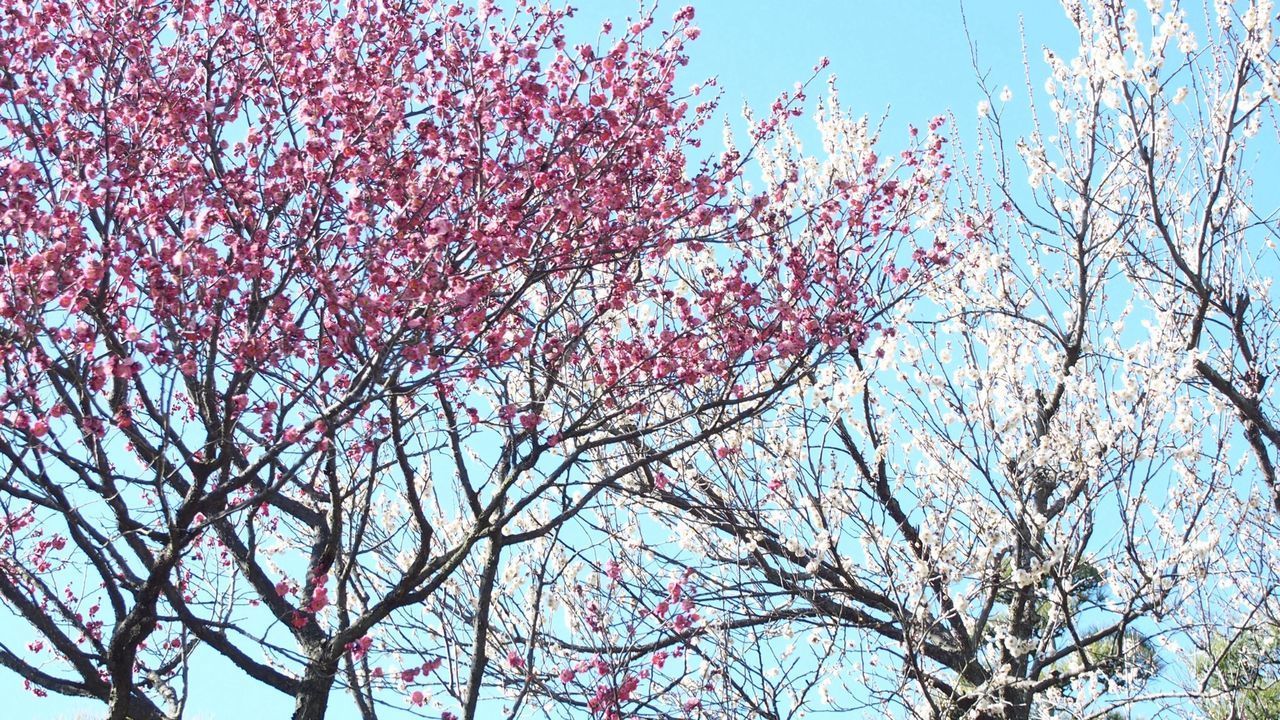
(323, 319)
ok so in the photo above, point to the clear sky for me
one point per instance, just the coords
(910, 55)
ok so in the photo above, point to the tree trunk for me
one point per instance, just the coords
(133, 707)
(312, 699)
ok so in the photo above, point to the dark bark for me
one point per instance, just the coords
(312, 700)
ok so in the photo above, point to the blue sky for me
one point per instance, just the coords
(908, 55)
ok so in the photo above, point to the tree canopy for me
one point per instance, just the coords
(425, 359)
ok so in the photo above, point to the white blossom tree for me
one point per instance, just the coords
(1049, 489)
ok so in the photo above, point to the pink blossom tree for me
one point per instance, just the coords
(324, 328)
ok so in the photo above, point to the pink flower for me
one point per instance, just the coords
(675, 590)
(360, 648)
(514, 660)
(319, 599)
(530, 421)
